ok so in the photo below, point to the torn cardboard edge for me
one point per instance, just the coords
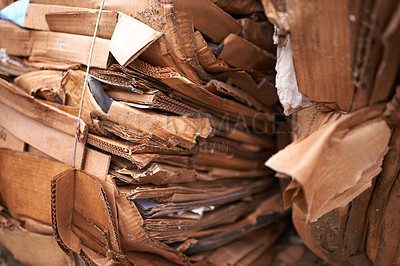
(313, 161)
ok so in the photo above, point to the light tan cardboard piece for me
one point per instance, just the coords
(329, 167)
(130, 38)
(25, 184)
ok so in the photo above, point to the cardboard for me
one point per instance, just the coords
(72, 21)
(258, 33)
(175, 228)
(369, 62)
(9, 141)
(131, 223)
(266, 213)
(239, 7)
(125, 49)
(238, 52)
(82, 217)
(206, 56)
(35, 17)
(329, 33)
(18, 41)
(209, 19)
(70, 47)
(318, 198)
(25, 184)
(44, 127)
(385, 76)
(44, 84)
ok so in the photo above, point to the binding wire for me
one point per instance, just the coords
(85, 83)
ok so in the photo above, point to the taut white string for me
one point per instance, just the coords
(85, 83)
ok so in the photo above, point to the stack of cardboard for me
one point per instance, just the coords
(176, 124)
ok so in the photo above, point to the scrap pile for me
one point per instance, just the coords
(167, 132)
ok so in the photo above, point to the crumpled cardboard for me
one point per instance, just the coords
(329, 167)
(41, 125)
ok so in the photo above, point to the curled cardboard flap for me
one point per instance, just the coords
(333, 165)
(130, 38)
(82, 216)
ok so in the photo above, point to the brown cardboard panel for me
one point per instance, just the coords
(18, 41)
(82, 215)
(81, 22)
(44, 127)
(238, 52)
(50, 141)
(317, 44)
(209, 18)
(71, 47)
(317, 198)
(239, 7)
(37, 227)
(39, 62)
(25, 184)
(36, 14)
(46, 114)
(10, 141)
(264, 92)
(259, 33)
